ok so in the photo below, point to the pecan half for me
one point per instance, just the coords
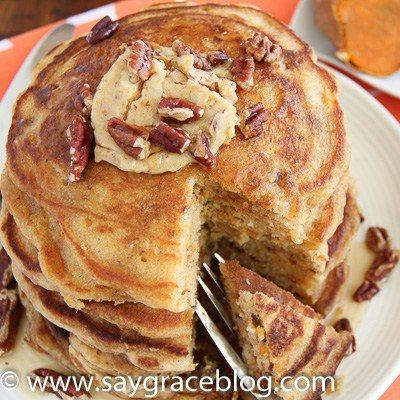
(201, 150)
(179, 109)
(84, 99)
(80, 137)
(261, 48)
(141, 59)
(217, 57)
(377, 239)
(102, 30)
(383, 265)
(255, 116)
(10, 315)
(172, 139)
(344, 325)
(65, 387)
(132, 139)
(242, 70)
(366, 291)
(200, 61)
(6, 275)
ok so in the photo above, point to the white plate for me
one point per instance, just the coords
(303, 23)
(375, 137)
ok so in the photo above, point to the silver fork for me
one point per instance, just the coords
(228, 352)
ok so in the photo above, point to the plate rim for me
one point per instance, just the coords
(394, 372)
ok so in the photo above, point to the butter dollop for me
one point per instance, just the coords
(121, 95)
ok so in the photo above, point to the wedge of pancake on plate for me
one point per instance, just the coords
(281, 337)
(143, 146)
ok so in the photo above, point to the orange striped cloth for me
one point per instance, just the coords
(14, 50)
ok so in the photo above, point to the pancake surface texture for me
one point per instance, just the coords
(279, 335)
(189, 152)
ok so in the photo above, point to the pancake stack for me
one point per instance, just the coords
(111, 260)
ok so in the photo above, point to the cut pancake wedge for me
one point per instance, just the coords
(279, 336)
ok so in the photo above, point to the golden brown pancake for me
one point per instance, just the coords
(155, 323)
(166, 354)
(291, 173)
(279, 335)
(69, 350)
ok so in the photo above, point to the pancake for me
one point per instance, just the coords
(166, 354)
(84, 359)
(294, 174)
(229, 216)
(154, 323)
(39, 336)
(279, 335)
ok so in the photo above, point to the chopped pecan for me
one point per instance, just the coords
(366, 291)
(172, 139)
(378, 239)
(201, 150)
(387, 256)
(132, 139)
(80, 137)
(261, 48)
(200, 61)
(65, 387)
(102, 30)
(255, 116)
(344, 325)
(383, 265)
(242, 70)
(10, 314)
(141, 59)
(6, 275)
(179, 109)
(84, 99)
(217, 57)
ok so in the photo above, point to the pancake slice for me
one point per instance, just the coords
(279, 335)
(166, 354)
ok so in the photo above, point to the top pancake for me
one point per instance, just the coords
(295, 164)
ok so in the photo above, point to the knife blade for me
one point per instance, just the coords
(23, 77)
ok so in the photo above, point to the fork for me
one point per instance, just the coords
(228, 352)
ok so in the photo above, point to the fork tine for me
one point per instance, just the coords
(219, 307)
(212, 275)
(219, 257)
(223, 345)
(228, 352)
